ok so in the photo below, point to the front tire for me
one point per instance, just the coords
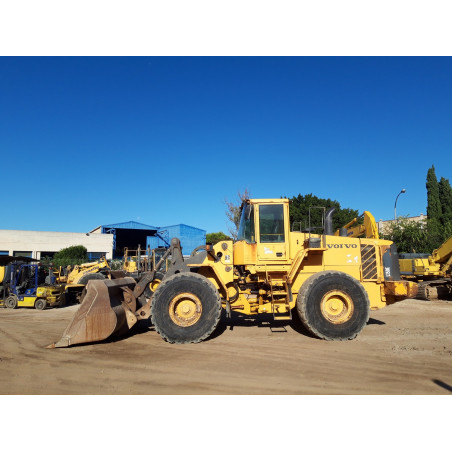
(11, 302)
(40, 304)
(333, 306)
(186, 308)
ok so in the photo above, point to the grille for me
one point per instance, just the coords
(369, 262)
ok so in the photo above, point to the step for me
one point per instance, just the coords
(282, 317)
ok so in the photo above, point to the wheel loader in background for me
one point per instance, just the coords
(368, 229)
(433, 273)
(333, 282)
(82, 273)
(75, 279)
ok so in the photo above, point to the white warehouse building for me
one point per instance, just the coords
(106, 240)
(39, 244)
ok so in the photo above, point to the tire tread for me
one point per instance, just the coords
(302, 306)
(204, 281)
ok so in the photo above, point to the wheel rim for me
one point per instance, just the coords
(154, 284)
(11, 303)
(337, 307)
(185, 309)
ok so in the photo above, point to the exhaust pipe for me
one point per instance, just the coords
(328, 230)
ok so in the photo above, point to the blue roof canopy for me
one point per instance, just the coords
(181, 224)
(129, 225)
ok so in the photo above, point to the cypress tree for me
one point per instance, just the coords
(445, 198)
(433, 203)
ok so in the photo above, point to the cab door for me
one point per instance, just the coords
(272, 232)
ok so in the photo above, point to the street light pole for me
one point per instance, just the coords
(395, 204)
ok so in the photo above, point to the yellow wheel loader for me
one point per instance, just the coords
(82, 273)
(332, 282)
(75, 279)
(368, 229)
(433, 273)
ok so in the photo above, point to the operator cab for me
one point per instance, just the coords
(263, 232)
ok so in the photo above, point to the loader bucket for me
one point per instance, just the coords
(106, 309)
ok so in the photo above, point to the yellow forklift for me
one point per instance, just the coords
(22, 284)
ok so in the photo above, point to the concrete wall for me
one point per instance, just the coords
(383, 225)
(42, 241)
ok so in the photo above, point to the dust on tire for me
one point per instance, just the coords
(198, 286)
(309, 305)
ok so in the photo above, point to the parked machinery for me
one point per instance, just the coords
(75, 279)
(368, 228)
(432, 272)
(83, 273)
(136, 262)
(332, 281)
(22, 284)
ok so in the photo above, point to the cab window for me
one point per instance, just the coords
(271, 223)
(246, 228)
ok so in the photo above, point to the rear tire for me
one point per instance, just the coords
(84, 279)
(40, 304)
(11, 302)
(186, 308)
(333, 306)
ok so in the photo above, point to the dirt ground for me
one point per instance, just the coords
(405, 349)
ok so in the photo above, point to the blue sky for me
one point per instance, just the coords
(164, 140)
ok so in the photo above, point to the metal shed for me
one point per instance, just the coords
(189, 236)
(128, 234)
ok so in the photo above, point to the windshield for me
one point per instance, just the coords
(246, 228)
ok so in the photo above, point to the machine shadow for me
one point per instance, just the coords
(141, 327)
(238, 320)
(443, 385)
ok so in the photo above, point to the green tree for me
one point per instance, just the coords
(447, 231)
(299, 211)
(430, 234)
(433, 202)
(408, 235)
(46, 262)
(445, 198)
(417, 237)
(72, 255)
(215, 237)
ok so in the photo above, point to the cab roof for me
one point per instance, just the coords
(268, 201)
